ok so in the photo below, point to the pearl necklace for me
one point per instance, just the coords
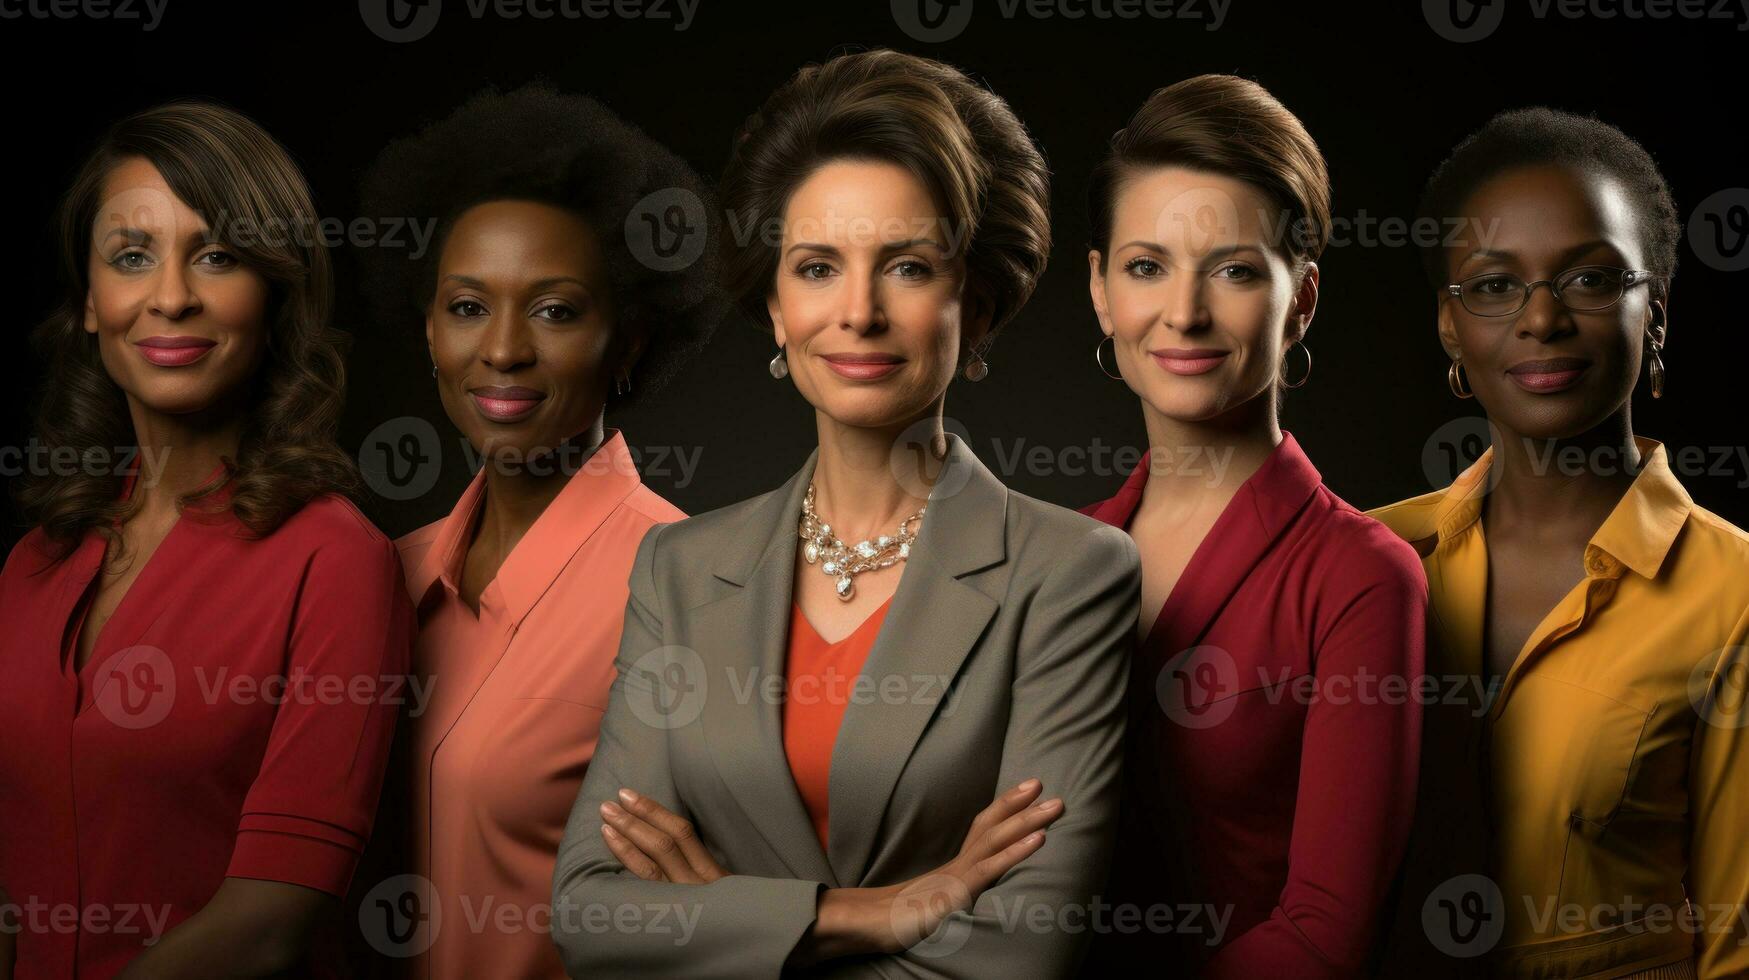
(842, 562)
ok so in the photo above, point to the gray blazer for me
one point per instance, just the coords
(1005, 654)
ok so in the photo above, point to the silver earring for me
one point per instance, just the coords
(977, 369)
(779, 366)
(1099, 359)
(1308, 375)
(621, 384)
(434, 369)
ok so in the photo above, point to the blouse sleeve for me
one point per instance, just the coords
(308, 813)
(1718, 871)
(1358, 764)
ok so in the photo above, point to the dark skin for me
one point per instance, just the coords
(523, 301)
(1539, 517)
(153, 272)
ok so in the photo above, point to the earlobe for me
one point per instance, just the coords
(1448, 333)
(776, 314)
(90, 323)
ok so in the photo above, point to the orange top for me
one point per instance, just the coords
(820, 678)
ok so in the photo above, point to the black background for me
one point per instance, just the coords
(1385, 94)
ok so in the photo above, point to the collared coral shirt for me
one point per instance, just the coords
(1617, 747)
(233, 720)
(1273, 737)
(516, 699)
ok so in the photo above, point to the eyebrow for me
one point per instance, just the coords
(546, 283)
(885, 246)
(1214, 253)
(1565, 257)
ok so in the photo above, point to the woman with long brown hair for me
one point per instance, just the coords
(201, 627)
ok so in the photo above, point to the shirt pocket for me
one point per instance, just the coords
(1599, 753)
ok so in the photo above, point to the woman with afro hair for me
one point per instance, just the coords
(568, 274)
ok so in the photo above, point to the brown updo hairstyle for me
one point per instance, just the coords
(254, 199)
(1225, 125)
(956, 136)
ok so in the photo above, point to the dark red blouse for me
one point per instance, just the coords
(1274, 733)
(233, 721)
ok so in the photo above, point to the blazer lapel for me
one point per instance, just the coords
(746, 635)
(934, 621)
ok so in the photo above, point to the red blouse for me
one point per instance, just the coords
(233, 720)
(820, 677)
(1274, 733)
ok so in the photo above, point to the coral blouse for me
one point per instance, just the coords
(1273, 735)
(233, 720)
(820, 678)
(515, 699)
(1615, 776)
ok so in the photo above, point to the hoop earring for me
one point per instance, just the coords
(1308, 375)
(779, 366)
(977, 369)
(1454, 377)
(434, 369)
(1099, 359)
(622, 385)
(1656, 367)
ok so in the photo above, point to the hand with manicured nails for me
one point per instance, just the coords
(657, 845)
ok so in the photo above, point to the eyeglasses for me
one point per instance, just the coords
(1586, 289)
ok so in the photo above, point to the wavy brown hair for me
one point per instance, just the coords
(253, 198)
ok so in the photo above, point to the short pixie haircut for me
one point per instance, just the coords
(956, 136)
(569, 151)
(1540, 136)
(1226, 125)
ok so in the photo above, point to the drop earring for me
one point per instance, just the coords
(779, 366)
(1655, 365)
(977, 369)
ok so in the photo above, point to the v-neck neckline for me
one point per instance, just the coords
(846, 638)
(87, 597)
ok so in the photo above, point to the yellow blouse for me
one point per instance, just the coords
(1614, 754)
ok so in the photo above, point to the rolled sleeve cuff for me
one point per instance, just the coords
(295, 850)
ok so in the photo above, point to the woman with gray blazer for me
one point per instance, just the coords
(847, 711)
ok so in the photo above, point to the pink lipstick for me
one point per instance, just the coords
(167, 351)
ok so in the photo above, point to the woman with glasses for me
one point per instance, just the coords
(1604, 613)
